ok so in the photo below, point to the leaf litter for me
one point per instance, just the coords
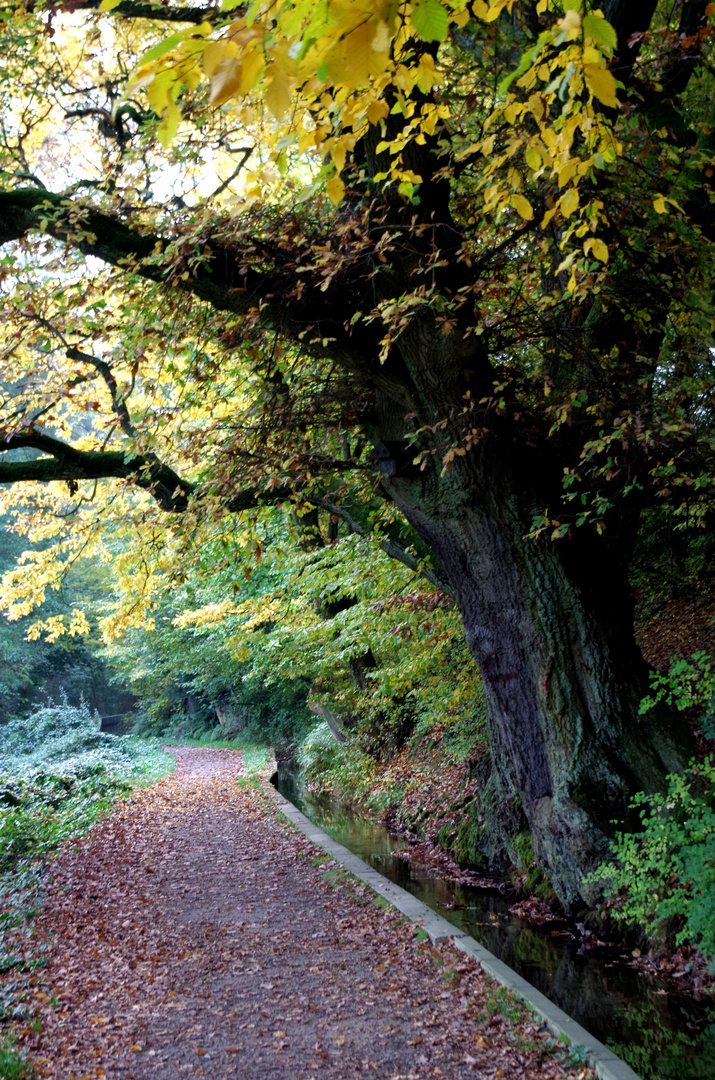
(195, 932)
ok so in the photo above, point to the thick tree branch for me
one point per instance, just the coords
(628, 18)
(172, 493)
(219, 281)
(70, 464)
(223, 280)
(684, 61)
(130, 9)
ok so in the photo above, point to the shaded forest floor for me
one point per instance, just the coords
(194, 932)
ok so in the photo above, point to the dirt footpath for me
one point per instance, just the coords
(195, 934)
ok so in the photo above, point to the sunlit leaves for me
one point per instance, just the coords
(430, 19)
(602, 84)
(336, 64)
(599, 32)
(522, 206)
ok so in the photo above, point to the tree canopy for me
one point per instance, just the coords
(439, 271)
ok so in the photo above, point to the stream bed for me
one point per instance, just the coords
(661, 1033)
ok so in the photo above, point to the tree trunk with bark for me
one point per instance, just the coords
(550, 625)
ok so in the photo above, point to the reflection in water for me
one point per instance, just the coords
(661, 1034)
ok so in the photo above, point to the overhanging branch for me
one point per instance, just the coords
(156, 12)
(223, 280)
(107, 238)
(67, 463)
(172, 493)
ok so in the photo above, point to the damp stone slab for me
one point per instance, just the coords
(605, 1063)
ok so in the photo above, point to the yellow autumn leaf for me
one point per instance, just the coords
(522, 206)
(243, 35)
(252, 63)
(377, 110)
(277, 94)
(226, 80)
(590, 55)
(488, 12)
(215, 52)
(570, 25)
(355, 58)
(108, 5)
(601, 84)
(659, 204)
(141, 79)
(569, 202)
(191, 76)
(161, 91)
(169, 124)
(426, 75)
(533, 158)
(336, 190)
(598, 249)
(513, 111)
(382, 38)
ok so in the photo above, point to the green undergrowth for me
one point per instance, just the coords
(379, 786)
(427, 788)
(59, 773)
(663, 878)
(13, 1066)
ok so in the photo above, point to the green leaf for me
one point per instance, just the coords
(162, 47)
(528, 58)
(430, 20)
(601, 33)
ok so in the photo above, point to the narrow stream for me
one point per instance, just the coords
(662, 1034)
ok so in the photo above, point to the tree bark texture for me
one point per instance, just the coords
(550, 625)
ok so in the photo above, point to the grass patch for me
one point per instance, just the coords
(505, 1003)
(257, 758)
(380, 902)
(12, 1065)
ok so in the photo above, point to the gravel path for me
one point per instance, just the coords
(195, 935)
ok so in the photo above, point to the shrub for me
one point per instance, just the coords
(58, 773)
(666, 873)
(688, 684)
(50, 733)
(668, 869)
(317, 752)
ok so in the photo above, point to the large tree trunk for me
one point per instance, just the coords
(551, 627)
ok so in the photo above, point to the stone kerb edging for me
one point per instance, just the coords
(606, 1064)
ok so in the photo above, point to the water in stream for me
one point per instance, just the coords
(662, 1034)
